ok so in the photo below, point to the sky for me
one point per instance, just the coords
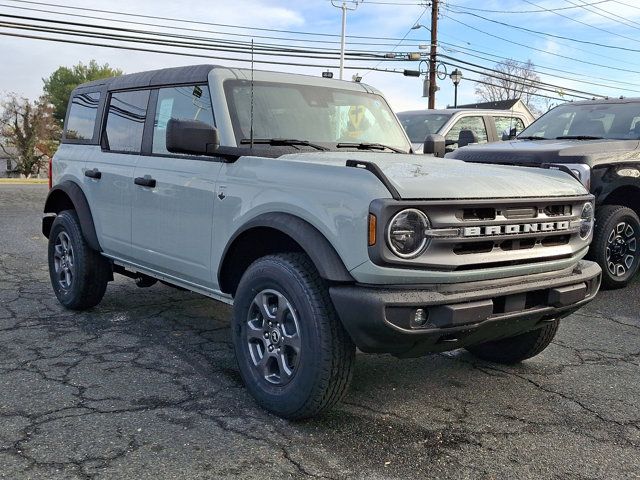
(592, 44)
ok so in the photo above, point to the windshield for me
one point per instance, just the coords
(322, 115)
(418, 126)
(585, 121)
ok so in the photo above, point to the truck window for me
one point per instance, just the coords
(475, 124)
(125, 121)
(418, 126)
(180, 103)
(504, 125)
(81, 120)
(318, 114)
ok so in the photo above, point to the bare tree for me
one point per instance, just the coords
(28, 133)
(511, 80)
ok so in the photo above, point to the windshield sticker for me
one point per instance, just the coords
(164, 113)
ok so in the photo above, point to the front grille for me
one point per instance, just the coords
(492, 233)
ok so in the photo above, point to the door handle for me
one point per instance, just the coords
(145, 181)
(95, 173)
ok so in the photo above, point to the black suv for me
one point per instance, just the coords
(599, 142)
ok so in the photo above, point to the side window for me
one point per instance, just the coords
(125, 121)
(505, 126)
(81, 120)
(475, 124)
(181, 103)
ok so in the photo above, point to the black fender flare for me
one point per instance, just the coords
(57, 201)
(311, 240)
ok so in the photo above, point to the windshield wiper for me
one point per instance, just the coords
(532, 137)
(578, 137)
(368, 146)
(280, 142)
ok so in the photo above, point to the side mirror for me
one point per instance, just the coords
(191, 137)
(465, 137)
(434, 143)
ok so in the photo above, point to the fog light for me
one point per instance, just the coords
(420, 317)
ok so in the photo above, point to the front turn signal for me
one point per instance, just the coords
(372, 229)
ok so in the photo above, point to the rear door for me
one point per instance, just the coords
(108, 175)
(475, 123)
(172, 209)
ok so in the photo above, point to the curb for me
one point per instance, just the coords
(23, 181)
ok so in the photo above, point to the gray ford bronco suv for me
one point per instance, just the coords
(297, 200)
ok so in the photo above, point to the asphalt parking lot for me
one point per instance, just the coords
(145, 386)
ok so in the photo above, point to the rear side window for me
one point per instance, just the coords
(81, 120)
(125, 121)
(506, 125)
(180, 103)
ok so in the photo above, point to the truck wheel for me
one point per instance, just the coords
(293, 353)
(79, 275)
(516, 349)
(616, 244)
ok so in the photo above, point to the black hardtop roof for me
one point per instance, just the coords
(152, 78)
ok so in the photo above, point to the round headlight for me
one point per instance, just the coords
(406, 233)
(586, 220)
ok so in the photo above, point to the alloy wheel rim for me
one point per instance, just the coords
(272, 336)
(64, 261)
(621, 250)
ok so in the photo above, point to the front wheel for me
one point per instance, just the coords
(516, 349)
(293, 353)
(616, 244)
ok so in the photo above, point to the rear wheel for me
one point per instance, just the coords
(293, 354)
(516, 349)
(616, 244)
(79, 275)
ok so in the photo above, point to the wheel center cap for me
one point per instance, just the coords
(275, 336)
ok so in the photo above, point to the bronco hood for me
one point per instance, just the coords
(424, 177)
(590, 152)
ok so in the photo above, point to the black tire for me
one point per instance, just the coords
(325, 356)
(608, 245)
(516, 349)
(90, 271)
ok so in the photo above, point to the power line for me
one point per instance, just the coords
(528, 82)
(561, 37)
(405, 35)
(186, 54)
(464, 7)
(512, 42)
(197, 22)
(539, 68)
(232, 34)
(214, 41)
(608, 32)
(238, 48)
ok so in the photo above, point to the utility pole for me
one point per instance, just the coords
(432, 56)
(344, 8)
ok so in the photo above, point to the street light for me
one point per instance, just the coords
(344, 8)
(455, 77)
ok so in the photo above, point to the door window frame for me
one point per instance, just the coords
(105, 116)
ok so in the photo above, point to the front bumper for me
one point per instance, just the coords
(380, 319)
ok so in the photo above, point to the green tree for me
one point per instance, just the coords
(28, 133)
(60, 84)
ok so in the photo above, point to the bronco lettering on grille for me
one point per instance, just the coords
(482, 231)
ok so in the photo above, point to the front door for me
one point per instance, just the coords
(172, 207)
